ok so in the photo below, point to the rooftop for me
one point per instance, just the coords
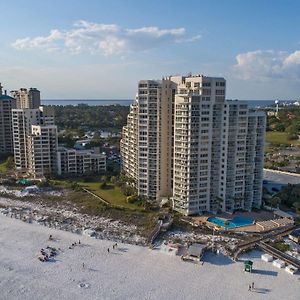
(295, 233)
(5, 97)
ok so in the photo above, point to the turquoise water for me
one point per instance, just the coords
(235, 222)
(23, 181)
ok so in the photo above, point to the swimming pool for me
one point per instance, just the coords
(23, 181)
(233, 223)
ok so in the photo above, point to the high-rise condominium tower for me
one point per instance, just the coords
(184, 141)
(35, 141)
(6, 136)
(27, 98)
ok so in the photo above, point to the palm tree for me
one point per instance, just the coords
(219, 202)
(238, 201)
(275, 201)
(297, 207)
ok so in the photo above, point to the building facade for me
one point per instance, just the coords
(35, 141)
(78, 162)
(6, 134)
(147, 138)
(27, 98)
(185, 141)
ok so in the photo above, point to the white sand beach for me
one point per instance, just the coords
(128, 272)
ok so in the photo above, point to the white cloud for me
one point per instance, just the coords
(107, 39)
(268, 64)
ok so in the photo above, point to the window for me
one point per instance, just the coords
(206, 92)
(220, 92)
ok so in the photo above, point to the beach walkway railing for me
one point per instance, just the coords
(251, 244)
(155, 232)
(93, 194)
(279, 254)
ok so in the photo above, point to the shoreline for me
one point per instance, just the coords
(67, 218)
(128, 272)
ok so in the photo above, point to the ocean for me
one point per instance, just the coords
(127, 102)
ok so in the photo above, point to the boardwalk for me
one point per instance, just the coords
(281, 255)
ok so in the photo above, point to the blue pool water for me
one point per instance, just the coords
(235, 222)
(23, 181)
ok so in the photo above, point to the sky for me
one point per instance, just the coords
(94, 49)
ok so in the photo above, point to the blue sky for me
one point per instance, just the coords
(100, 49)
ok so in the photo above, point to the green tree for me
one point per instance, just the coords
(275, 201)
(103, 185)
(113, 179)
(103, 178)
(10, 163)
(297, 205)
(238, 201)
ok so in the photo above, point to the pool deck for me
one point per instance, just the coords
(257, 216)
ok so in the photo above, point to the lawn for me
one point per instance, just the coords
(111, 194)
(3, 166)
(120, 209)
(276, 137)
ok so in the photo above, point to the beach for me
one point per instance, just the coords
(127, 272)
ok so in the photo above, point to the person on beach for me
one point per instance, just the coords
(79, 242)
(82, 265)
(252, 286)
(107, 250)
(50, 237)
(249, 287)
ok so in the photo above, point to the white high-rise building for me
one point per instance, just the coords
(35, 141)
(27, 98)
(146, 141)
(184, 141)
(6, 136)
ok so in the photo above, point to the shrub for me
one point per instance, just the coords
(128, 190)
(43, 184)
(132, 199)
(103, 179)
(280, 246)
(113, 179)
(292, 136)
(75, 186)
(103, 185)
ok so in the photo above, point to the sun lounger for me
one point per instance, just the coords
(291, 269)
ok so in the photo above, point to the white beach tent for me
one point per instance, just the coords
(267, 257)
(279, 263)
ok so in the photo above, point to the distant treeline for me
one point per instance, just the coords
(287, 120)
(91, 117)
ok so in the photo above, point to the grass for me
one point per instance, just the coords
(275, 137)
(280, 246)
(3, 167)
(111, 193)
(119, 210)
